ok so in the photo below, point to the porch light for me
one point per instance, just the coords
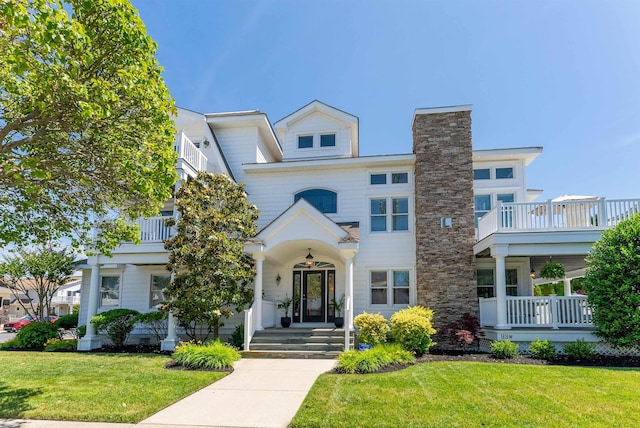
(309, 261)
(278, 279)
(532, 274)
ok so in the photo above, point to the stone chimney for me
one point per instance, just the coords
(445, 234)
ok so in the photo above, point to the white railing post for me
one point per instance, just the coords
(347, 301)
(248, 326)
(553, 308)
(550, 224)
(602, 218)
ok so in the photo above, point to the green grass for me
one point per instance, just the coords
(92, 387)
(466, 394)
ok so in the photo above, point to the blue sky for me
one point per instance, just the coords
(558, 74)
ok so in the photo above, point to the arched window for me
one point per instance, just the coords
(325, 201)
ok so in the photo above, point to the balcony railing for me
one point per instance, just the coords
(533, 311)
(154, 229)
(597, 214)
(189, 153)
(66, 300)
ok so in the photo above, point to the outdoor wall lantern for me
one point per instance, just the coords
(309, 261)
(278, 279)
(532, 274)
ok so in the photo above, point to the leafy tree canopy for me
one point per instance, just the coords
(85, 122)
(211, 274)
(37, 274)
(612, 282)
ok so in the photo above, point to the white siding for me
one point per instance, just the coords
(239, 146)
(315, 124)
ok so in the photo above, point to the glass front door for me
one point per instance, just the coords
(313, 296)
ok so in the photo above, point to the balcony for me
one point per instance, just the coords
(154, 230)
(553, 215)
(66, 300)
(190, 158)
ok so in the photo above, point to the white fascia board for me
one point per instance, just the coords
(435, 110)
(527, 154)
(541, 243)
(247, 118)
(316, 105)
(332, 163)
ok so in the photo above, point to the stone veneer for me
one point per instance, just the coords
(445, 267)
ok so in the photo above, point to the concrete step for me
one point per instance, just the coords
(306, 341)
(291, 354)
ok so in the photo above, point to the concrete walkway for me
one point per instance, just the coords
(260, 393)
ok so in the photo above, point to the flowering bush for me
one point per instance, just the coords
(373, 328)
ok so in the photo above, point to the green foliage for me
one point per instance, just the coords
(542, 349)
(75, 309)
(548, 289)
(552, 270)
(210, 355)
(579, 350)
(155, 322)
(212, 274)
(81, 331)
(612, 283)
(35, 334)
(85, 125)
(337, 305)
(237, 337)
(57, 345)
(67, 322)
(116, 324)
(374, 359)
(412, 329)
(373, 328)
(285, 304)
(504, 349)
(37, 273)
(11, 344)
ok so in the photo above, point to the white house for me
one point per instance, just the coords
(384, 231)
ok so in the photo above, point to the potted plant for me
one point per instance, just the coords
(285, 304)
(552, 270)
(338, 305)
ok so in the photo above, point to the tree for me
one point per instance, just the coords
(85, 122)
(612, 283)
(37, 274)
(211, 273)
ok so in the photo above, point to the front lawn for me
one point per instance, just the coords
(92, 387)
(463, 394)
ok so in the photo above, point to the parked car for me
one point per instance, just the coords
(14, 326)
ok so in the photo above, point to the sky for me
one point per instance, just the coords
(558, 74)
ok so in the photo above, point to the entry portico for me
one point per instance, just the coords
(281, 253)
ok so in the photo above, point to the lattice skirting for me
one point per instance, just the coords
(601, 348)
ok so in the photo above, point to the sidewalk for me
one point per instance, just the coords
(260, 393)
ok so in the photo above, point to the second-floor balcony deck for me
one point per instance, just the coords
(190, 158)
(553, 215)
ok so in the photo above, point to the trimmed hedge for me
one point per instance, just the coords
(412, 329)
(373, 328)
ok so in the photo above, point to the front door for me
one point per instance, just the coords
(313, 296)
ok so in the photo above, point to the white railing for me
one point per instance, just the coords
(598, 214)
(188, 152)
(154, 229)
(66, 300)
(269, 310)
(544, 311)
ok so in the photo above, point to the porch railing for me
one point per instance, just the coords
(154, 229)
(250, 321)
(597, 214)
(188, 152)
(66, 300)
(533, 311)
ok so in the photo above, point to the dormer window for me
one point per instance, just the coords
(327, 140)
(305, 141)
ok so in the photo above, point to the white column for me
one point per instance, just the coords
(90, 340)
(567, 286)
(348, 286)
(499, 255)
(259, 258)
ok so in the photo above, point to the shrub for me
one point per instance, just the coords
(237, 337)
(612, 283)
(35, 334)
(542, 349)
(155, 322)
(55, 345)
(11, 344)
(116, 324)
(67, 322)
(454, 331)
(373, 328)
(210, 355)
(374, 359)
(504, 349)
(579, 350)
(81, 331)
(412, 329)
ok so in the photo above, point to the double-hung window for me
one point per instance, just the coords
(389, 286)
(109, 291)
(482, 206)
(394, 219)
(158, 284)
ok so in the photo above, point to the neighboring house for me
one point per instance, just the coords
(441, 226)
(68, 295)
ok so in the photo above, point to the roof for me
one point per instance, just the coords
(528, 154)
